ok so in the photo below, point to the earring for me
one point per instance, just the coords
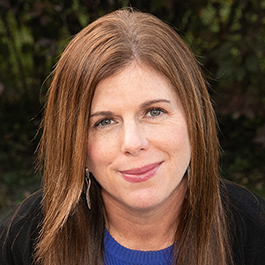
(188, 175)
(88, 184)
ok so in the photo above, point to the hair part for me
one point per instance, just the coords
(102, 49)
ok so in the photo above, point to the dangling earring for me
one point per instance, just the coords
(188, 175)
(88, 183)
(187, 193)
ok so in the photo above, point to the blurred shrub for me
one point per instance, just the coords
(227, 37)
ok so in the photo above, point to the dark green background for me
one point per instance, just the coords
(228, 38)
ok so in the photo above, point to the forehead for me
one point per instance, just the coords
(135, 83)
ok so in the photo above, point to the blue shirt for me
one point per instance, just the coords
(116, 254)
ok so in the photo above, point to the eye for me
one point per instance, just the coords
(104, 122)
(154, 112)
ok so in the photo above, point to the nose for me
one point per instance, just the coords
(134, 139)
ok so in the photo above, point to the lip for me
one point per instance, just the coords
(141, 174)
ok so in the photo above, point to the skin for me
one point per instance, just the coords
(139, 151)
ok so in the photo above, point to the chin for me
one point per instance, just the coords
(145, 202)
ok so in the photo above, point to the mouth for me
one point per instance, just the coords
(141, 174)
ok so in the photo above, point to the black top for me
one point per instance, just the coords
(247, 220)
(17, 246)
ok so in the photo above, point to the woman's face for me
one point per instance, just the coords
(138, 148)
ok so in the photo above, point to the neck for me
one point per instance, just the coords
(145, 229)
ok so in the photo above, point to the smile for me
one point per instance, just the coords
(142, 174)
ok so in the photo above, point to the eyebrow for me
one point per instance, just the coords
(102, 113)
(143, 105)
(150, 102)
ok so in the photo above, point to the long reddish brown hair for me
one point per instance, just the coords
(71, 234)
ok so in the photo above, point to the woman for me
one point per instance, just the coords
(129, 154)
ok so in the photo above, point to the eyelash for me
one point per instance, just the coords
(156, 109)
(97, 124)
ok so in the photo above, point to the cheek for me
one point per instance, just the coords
(95, 157)
(99, 159)
(177, 144)
(174, 136)
(100, 153)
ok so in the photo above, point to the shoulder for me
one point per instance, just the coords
(20, 230)
(246, 203)
(246, 214)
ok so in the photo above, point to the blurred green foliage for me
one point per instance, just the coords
(227, 36)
